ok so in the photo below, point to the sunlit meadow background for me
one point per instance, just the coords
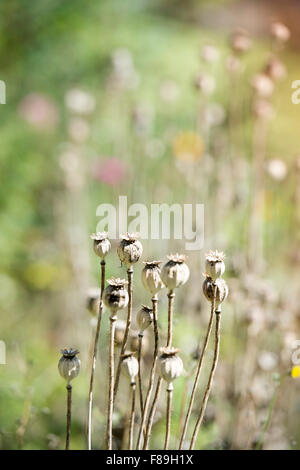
(102, 102)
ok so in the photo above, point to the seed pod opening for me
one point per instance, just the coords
(170, 365)
(144, 318)
(221, 291)
(175, 272)
(214, 264)
(69, 364)
(130, 365)
(101, 245)
(130, 249)
(151, 277)
(115, 295)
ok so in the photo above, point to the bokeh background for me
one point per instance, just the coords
(160, 102)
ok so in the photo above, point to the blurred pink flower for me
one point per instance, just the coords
(39, 111)
(110, 171)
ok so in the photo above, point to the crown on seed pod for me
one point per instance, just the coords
(170, 365)
(175, 272)
(144, 318)
(151, 277)
(214, 264)
(130, 249)
(130, 365)
(69, 364)
(101, 245)
(221, 291)
(115, 295)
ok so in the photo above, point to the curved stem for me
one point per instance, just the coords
(128, 324)
(140, 372)
(152, 372)
(171, 295)
(152, 413)
(94, 357)
(110, 404)
(69, 407)
(168, 416)
(210, 380)
(188, 415)
(132, 416)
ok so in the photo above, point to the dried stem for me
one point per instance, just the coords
(128, 324)
(152, 413)
(69, 407)
(210, 380)
(132, 416)
(110, 404)
(168, 416)
(152, 372)
(140, 372)
(94, 357)
(171, 295)
(188, 415)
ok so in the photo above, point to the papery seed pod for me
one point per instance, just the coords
(221, 291)
(130, 365)
(144, 318)
(93, 300)
(134, 340)
(214, 264)
(175, 272)
(170, 365)
(115, 295)
(151, 277)
(130, 249)
(280, 32)
(102, 245)
(240, 41)
(69, 364)
(262, 85)
(119, 332)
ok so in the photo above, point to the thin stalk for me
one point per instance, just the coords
(94, 357)
(132, 416)
(69, 408)
(196, 382)
(152, 413)
(152, 372)
(128, 324)
(169, 416)
(171, 295)
(110, 404)
(140, 372)
(210, 380)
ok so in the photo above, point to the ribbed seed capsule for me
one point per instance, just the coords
(69, 364)
(221, 291)
(130, 249)
(102, 245)
(93, 300)
(130, 365)
(170, 365)
(175, 272)
(151, 277)
(119, 332)
(144, 318)
(115, 295)
(214, 264)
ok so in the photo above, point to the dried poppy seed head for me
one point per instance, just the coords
(214, 264)
(151, 277)
(119, 332)
(280, 32)
(221, 291)
(93, 300)
(102, 245)
(130, 365)
(130, 249)
(115, 295)
(144, 318)
(175, 272)
(170, 365)
(69, 364)
(240, 41)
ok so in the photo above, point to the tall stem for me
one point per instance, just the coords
(132, 416)
(152, 372)
(128, 324)
(140, 372)
(188, 415)
(152, 413)
(110, 404)
(171, 295)
(169, 415)
(69, 407)
(94, 357)
(210, 380)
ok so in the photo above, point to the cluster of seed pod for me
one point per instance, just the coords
(214, 286)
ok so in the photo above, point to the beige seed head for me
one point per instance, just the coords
(130, 365)
(144, 318)
(170, 365)
(151, 278)
(130, 249)
(221, 291)
(69, 364)
(102, 245)
(214, 264)
(115, 295)
(175, 272)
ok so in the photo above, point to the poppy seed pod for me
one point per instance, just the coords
(240, 41)
(130, 249)
(93, 300)
(134, 342)
(280, 32)
(102, 245)
(221, 291)
(130, 365)
(144, 318)
(151, 277)
(69, 364)
(214, 264)
(119, 332)
(175, 272)
(115, 295)
(170, 365)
